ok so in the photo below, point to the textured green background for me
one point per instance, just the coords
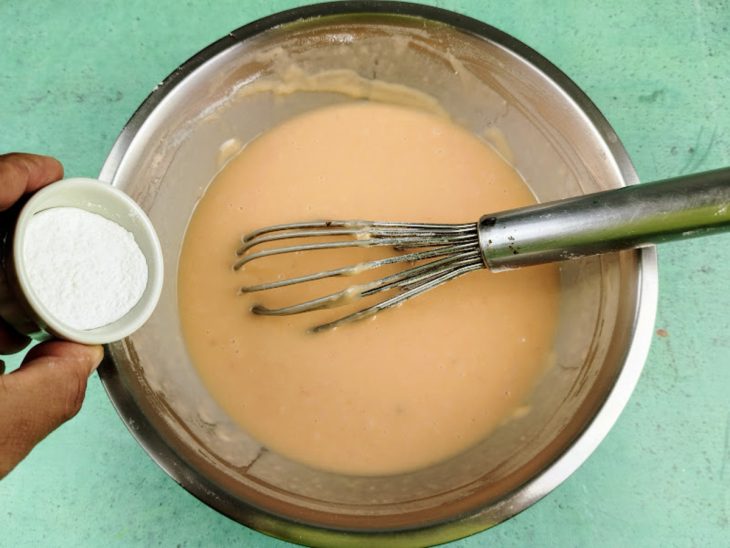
(71, 74)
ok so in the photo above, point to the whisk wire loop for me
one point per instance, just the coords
(451, 251)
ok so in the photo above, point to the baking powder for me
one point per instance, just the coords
(85, 269)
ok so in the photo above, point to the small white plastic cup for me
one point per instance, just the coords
(20, 307)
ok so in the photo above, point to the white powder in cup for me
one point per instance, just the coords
(85, 269)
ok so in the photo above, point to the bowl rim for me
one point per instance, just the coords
(460, 526)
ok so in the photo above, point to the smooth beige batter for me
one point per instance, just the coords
(412, 386)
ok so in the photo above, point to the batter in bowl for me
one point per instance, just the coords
(409, 388)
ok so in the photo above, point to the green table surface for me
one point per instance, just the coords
(72, 73)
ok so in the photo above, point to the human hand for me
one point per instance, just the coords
(49, 387)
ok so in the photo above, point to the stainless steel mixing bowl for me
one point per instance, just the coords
(491, 84)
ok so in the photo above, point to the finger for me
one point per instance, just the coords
(42, 394)
(21, 173)
(64, 349)
(10, 340)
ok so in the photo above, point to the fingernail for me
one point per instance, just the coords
(95, 355)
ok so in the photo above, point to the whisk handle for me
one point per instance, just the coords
(612, 220)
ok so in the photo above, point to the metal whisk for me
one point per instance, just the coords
(433, 254)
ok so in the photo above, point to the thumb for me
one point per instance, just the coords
(42, 394)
